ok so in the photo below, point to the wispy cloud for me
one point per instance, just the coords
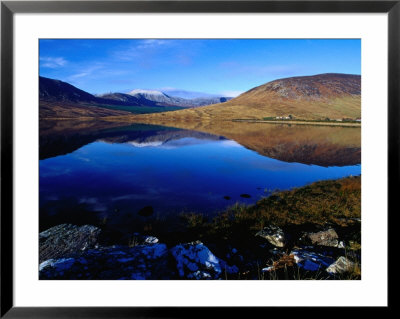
(52, 62)
(231, 93)
(86, 72)
(78, 75)
(141, 49)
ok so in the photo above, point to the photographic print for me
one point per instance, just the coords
(193, 159)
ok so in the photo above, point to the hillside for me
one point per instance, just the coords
(58, 99)
(59, 91)
(317, 97)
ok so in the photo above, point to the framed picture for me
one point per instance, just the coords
(164, 155)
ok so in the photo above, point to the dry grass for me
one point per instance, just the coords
(68, 110)
(326, 202)
(332, 202)
(337, 108)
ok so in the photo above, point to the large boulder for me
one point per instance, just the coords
(120, 262)
(327, 237)
(310, 260)
(341, 266)
(66, 239)
(195, 261)
(274, 235)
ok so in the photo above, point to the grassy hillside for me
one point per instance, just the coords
(61, 109)
(318, 97)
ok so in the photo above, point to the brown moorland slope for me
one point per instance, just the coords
(50, 109)
(316, 97)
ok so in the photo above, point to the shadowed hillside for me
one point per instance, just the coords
(58, 99)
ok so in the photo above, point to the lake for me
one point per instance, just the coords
(122, 175)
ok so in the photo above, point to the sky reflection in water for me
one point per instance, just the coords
(181, 175)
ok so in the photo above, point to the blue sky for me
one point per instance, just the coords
(224, 67)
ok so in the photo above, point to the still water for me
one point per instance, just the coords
(112, 176)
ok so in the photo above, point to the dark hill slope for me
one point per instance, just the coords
(58, 99)
(55, 90)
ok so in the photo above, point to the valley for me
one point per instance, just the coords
(268, 181)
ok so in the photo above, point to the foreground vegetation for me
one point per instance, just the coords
(311, 232)
(334, 203)
(318, 206)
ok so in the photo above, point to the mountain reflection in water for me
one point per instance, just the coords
(96, 172)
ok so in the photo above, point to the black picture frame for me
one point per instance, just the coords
(9, 8)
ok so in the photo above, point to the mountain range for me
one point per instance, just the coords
(158, 98)
(317, 97)
(60, 99)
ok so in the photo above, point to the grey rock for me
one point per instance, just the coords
(139, 262)
(340, 266)
(311, 261)
(138, 239)
(195, 261)
(274, 235)
(150, 240)
(341, 245)
(66, 239)
(327, 237)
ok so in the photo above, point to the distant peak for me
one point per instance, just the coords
(149, 92)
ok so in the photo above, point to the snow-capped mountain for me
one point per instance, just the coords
(145, 92)
(159, 98)
(187, 94)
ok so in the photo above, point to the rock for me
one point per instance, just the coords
(340, 266)
(146, 211)
(312, 261)
(119, 262)
(150, 240)
(327, 237)
(195, 261)
(274, 235)
(138, 239)
(58, 265)
(245, 195)
(66, 239)
(199, 275)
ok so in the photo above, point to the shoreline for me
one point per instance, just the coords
(300, 122)
(131, 119)
(260, 241)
